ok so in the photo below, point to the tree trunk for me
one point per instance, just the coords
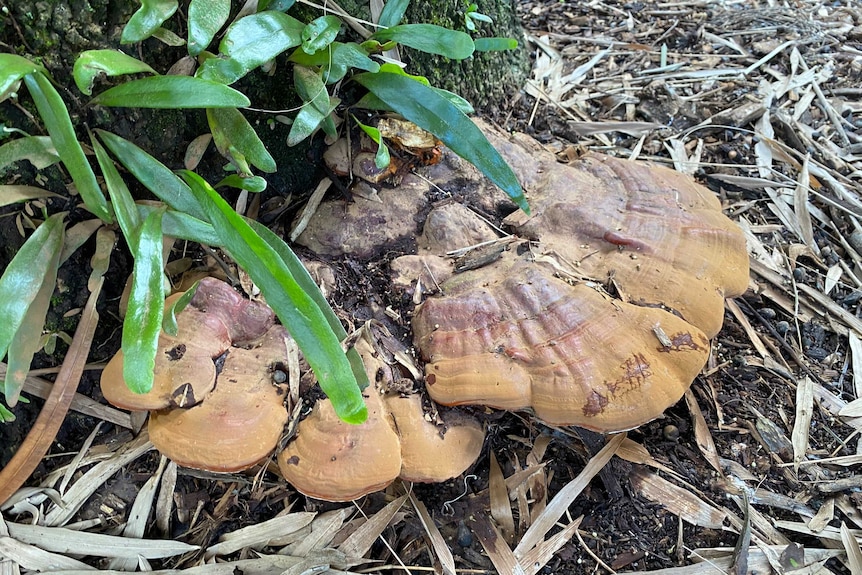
(488, 80)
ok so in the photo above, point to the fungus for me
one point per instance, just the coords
(219, 419)
(602, 318)
(239, 423)
(336, 461)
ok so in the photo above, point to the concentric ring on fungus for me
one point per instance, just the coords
(603, 318)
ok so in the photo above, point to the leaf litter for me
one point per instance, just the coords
(755, 472)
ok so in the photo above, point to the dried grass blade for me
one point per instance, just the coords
(53, 413)
(634, 452)
(323, 530)
(164, 503)
(802, 424)
(265, 565)
(538, 483)
(833, 276)
(360, 541)
(677, 500)
(800, 207)
(536, 558)
(32, 558)
(310, 208)
(76, 461)
(80, 403)
(67, 541)
(752, 334)
(495, 546)
(260, 534)
(701, 432)
(856, 362)
(444, 554)
(851, 547)
(824, 516)
(561, 501)
(501, 509)
(94, 478)
(140, 512)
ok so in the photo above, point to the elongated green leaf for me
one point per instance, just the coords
(231, 131)
(6, 416)
(38, 150)
(147, 19)
(184, 227)
(143, 320)
(430, 38)
(304, 124)
(434, 113)
(306, 283)
(169, 322)
(25, 275)
(153, 174)
(91, 63)
(316, 105)
(250, 42)
(319, 33)
(456, 100)
(293, 306)
(165, 36)
(254, 184)
(12, 69)
(41, 275)
(121, 199)
(335, 60)
(280, 5)
(59, 125)
(393, 12)
(311, 88)
(381, 158)
(206, 17)
(495, 44)
(172, 92)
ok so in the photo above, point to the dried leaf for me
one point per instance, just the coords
(501, 510)
(447, 561)
(802, 424)
(260, 534)
(565, 496)
(851, 547)
(360, 541)
(677, 500)
(701, 432)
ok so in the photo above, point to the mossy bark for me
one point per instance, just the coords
(488, 79)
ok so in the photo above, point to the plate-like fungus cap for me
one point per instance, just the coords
(603, 318)
(337, 461)
(239, 423)
(185, 372)
(223, 418)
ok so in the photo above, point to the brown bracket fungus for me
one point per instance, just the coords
(337, 461)
(539, 328)
(224, 419)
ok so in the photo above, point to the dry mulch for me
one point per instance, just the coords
(758, 101)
